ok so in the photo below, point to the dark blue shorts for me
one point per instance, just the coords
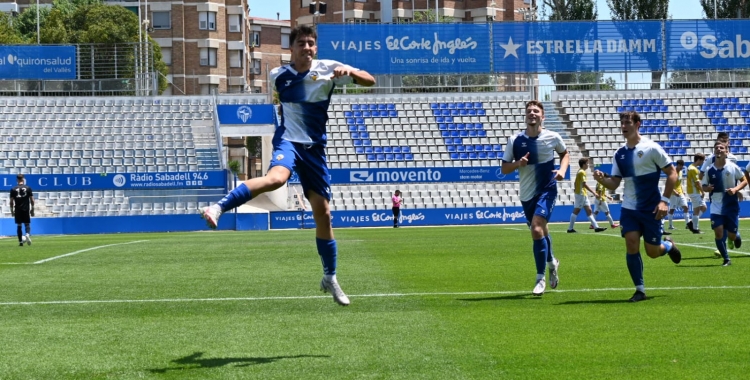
(309, 161)
(643, 222)
(730, 222)
(541, 205)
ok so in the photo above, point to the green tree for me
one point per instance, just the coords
(631, 10)
(429, 16)
(726, 8)
(8, 34)
(567, 10)
(25, 23)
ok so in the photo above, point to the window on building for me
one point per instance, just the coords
(257, 90)
(256, 66)
(284, 41)
(208, 57)
(403, 20)
(234, 23)
(166, 55)
(207, 20)
(236, 89)
(161, 20)
(235, 58)
(256, 39)
(209, 89)
(357, 21)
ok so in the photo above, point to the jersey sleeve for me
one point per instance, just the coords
(615, 168)
(738, 173)
(560, 147)
(508, 154)
(704, 181)
(706, 164)
(660, 157)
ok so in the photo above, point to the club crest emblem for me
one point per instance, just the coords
(314, 75)
(279, 157)
(640, 154)
(244, 113)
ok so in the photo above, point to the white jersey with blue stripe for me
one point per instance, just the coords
(711, 159)
(723, 179)
(304, 99)
(536, 177)
(640, 168)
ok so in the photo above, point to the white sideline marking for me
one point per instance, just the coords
(376, 295)
(678, 243)
(86, 250)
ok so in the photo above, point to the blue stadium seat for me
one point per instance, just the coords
(445, 134)
(390, 106)
(482, 155)
(731, 107)
(642, 102)
(359, 121)
(463, 133)
(451, 127)
(357, 113)
(460, 126)
(355, 107)
(737, 128)
(458, 141)
(746, 128)
(387, 149)
(650, 102)
(369, 150)
(461, 148)
(477, 105)
(685, 144)
(469, 148)
(389, 157)
(455, 113)
(434, 106)
(443, 106)
(380, 157)
(481, 112)
(442, 127)
(709, 114)
(494, 155)
(497, 148)
(650, 130)
(620, 109)
(373, 107)
(722, 107)
(405, 149)
(451, 148)
(371, 157)
(357, 142)
(408, 157)
(472, 156)
(682, 151)
(454, 133)
(472, 133)
(366, 114)
(487, 148)
(381, 107)
(392, 113)
(348, 114)
(460, 106)
(744, 114)
(352, 128)
(359, 150)
(377, 149)
(448, 140)
(449, 119)
(367, 142)
(463, 156)
(396, 149)
(354, 135)
(645, 123)
(478, 126)
(659, 129)
(445, 112)
(472, 112)
(454, 156)
(743, 150)
(362, 128)
(364, 135)
(399, 157)
(666, 144)
(439, 119)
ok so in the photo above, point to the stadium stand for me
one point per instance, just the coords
(133, 135)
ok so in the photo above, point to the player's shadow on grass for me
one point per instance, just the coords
(501, 298)
(604, 302)
(196, 361)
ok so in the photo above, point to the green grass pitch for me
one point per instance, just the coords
(427, 303)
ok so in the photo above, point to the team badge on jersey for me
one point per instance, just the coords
(640, 154)
(314, 75)
(279, 157)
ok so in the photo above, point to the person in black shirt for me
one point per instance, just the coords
(22, 208)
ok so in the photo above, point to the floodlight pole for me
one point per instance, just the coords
(37, 22)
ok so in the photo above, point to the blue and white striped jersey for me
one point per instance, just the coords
(711, 158)
(723, 179)
(304, 99)
(640, 168)
(536, 177)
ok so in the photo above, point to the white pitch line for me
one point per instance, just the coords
(86, 250)
(375, 295)
(679, 244)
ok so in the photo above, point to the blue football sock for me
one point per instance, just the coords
(667, 246)
(328, 252)
(721, 244)
(550, 256)
(635, 267)
(540, 255)
(236, 198)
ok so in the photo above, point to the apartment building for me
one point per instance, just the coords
(369, 11)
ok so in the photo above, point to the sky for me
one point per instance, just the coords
(678, 9)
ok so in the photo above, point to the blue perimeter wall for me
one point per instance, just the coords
(293, 220)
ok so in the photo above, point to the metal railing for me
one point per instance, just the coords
(101, 70)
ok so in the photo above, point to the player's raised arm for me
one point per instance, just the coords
(360, 77)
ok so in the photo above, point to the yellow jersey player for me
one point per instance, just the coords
(695, 192)
(600, 204)
(678, 198)
(582, 199)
